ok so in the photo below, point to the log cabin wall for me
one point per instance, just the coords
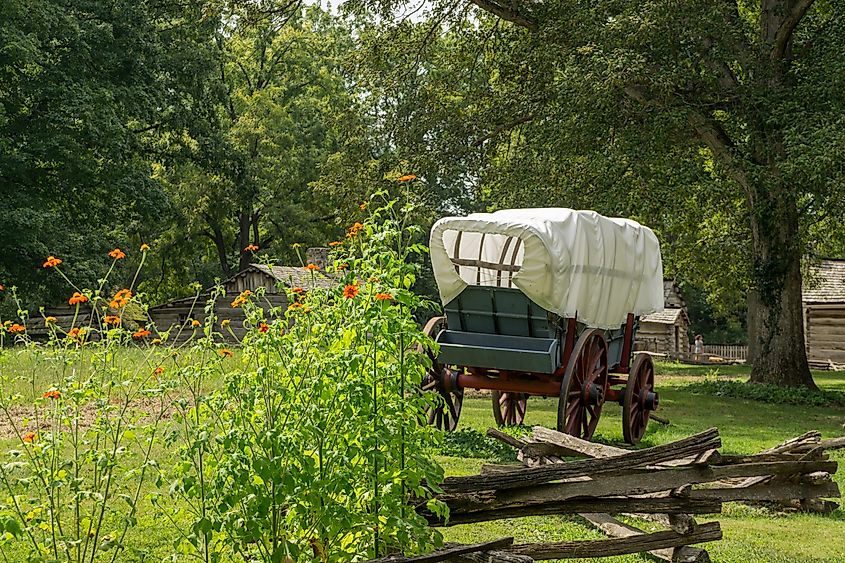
(825, 325)
(66, 318)
(176, 317)
(652, 337)
(824, 314)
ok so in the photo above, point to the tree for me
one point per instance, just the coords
(81, 84)
(240, 173)
(675, 112)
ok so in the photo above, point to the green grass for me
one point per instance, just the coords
(746, 426)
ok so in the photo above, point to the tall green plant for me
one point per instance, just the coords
(316, 449)
(85, 421)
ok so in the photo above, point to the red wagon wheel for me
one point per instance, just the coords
(442, 380)
(584, 384)
(509, 408)
(640, 399)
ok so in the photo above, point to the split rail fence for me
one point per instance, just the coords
(670, 484)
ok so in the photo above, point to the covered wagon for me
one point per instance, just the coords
(544, 302)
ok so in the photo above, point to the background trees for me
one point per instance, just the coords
(713, 122)
(209, 128)
(80, 83)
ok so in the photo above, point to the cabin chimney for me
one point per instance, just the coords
(318, 255)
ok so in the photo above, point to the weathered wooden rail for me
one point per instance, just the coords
(667, 484)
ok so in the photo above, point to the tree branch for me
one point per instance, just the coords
(784, 33)
(506, 13)
(504, 127)
(720, 144)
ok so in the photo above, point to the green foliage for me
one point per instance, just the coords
(470, 443)
(81, 83)
(765, 393)
(311, 451)
(239, 173)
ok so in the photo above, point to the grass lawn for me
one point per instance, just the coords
(745, 427)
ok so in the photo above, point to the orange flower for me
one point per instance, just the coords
(50, 320)
(145, 247)
(363, 206)
(336, 243)
(354, 230)
(158, 372)
(295, 305)
(121, 299)
(111, 320)
(350, 291)
(251, 248)
(241, 299)
(407, 178)
(195, 323)
(225, 322)
(2, 287)
(117, 254)
(52, 262)
(342, 266)
(17, 329)
(226, 353)
(383, 297)
(141, 333)
(52, 394)
(263, 327)
(74, 333)
(77, 298)
(298, 290)
(312, 267)
(29, 437)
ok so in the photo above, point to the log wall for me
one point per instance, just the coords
(176, 316)
(252, 280)
(825, 334)
(660, 338)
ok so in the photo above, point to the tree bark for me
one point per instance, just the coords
(780, 356)
(244, 230)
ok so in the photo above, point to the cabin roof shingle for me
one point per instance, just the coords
(826, 283)
(295, 276)
(666, 316)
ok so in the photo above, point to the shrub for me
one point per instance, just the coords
(767, 393)
(312, 451)
(84, 419)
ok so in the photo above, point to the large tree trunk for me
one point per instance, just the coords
(780, 356)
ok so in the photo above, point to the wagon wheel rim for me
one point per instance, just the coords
(509, 408)
(584, 386)
(635, 407)
(450, 399)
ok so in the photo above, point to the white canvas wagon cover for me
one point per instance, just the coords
(568, 262)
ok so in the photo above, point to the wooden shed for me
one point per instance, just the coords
(666, 332)
(177, 315)
(824, 314)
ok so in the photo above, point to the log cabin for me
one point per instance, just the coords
(176, 316)
(667, 331)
